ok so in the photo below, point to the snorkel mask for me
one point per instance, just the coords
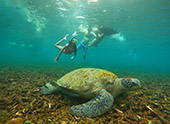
(74, 36)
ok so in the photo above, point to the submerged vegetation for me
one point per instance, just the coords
(22, 102)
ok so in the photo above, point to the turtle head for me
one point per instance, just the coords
(129, 83)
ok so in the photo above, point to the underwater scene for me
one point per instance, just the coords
(84, 61)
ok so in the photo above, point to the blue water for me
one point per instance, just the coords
(29, 30)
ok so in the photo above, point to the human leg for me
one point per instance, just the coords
(84, 54)
(59, 47)
(57, 58)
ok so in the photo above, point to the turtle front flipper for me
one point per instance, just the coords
(48, 88)
(95, 107)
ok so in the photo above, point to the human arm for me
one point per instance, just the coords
(93, 34)
(96, 40)
(100, 35)
(75, 33)
(92, 42)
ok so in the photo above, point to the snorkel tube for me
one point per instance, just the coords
(74, 36)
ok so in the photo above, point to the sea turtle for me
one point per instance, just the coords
(97, 85)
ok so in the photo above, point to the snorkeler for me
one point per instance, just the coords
(69, 48)
(88, 34)
(100, 33)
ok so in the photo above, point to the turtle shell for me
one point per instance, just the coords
(85, 79)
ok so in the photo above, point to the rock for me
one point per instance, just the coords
(49, 120)
(13, 83)
(64, 122)
(40, 122)
(24, 91)
(17, 120)
(28, 122)
(19, 114)
(4, 101)
(25, 99)
(10, 90)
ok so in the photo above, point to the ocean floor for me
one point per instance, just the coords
(22, 102)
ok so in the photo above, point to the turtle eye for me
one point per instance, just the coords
(130, 84)
(134, 83)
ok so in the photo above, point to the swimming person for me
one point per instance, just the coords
(100, 33)
(88, 34)
(69, 48)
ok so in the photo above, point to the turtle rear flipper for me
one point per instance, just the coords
(48, 88)
(95, 107)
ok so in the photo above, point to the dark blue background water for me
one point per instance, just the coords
(29, 30)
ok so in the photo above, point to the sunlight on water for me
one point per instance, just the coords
(33, 17)
(142, 27)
